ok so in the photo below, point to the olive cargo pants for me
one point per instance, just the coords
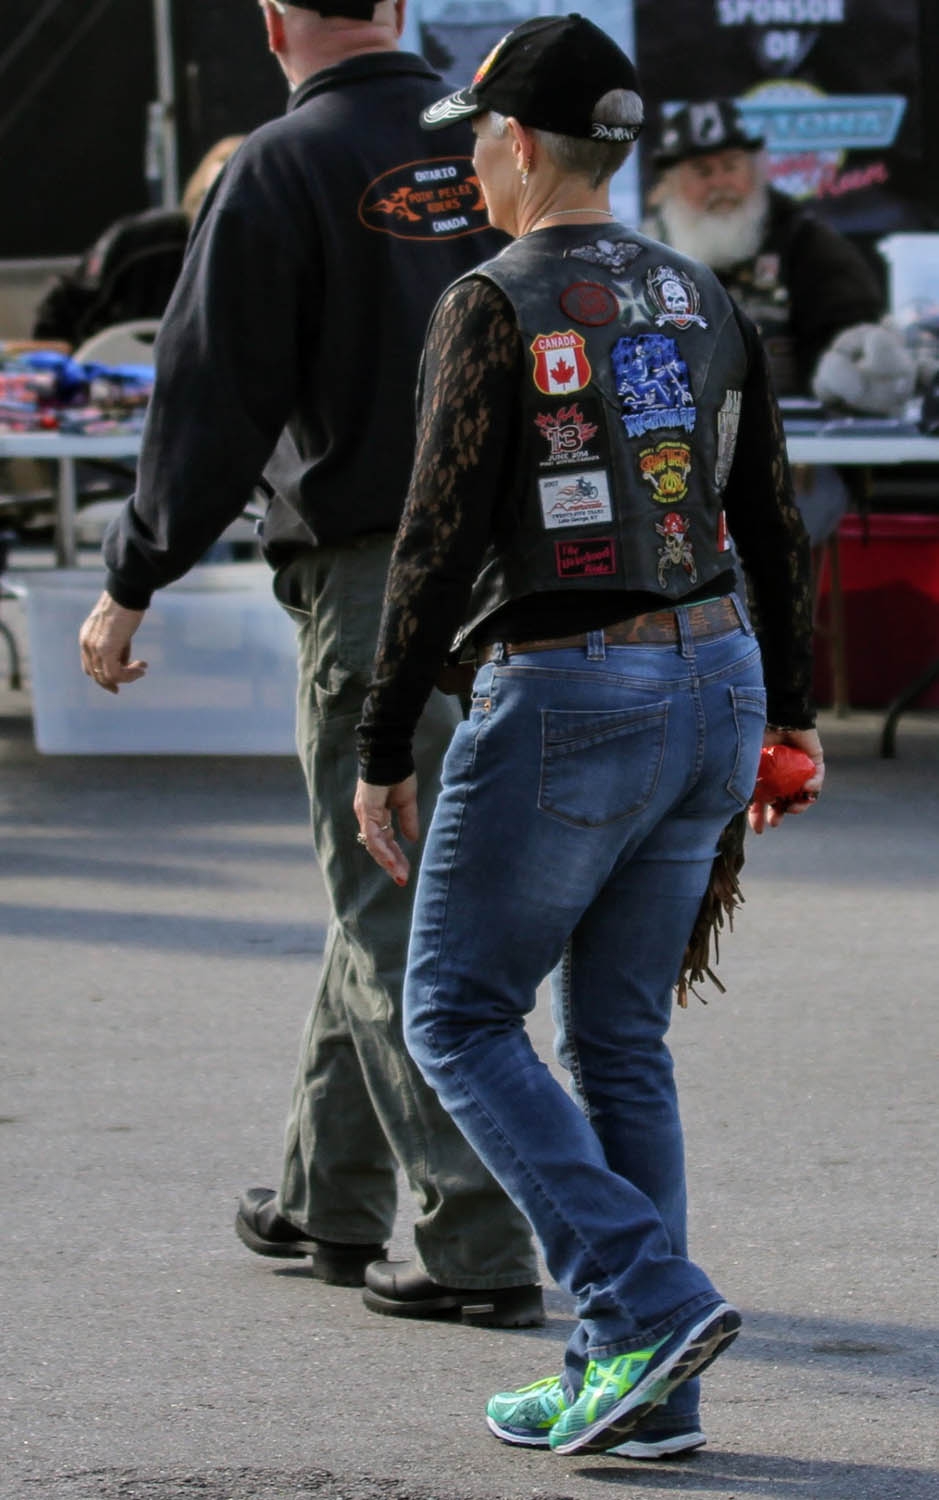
(360, 1107)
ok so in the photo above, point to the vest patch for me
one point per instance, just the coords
(677, 551)
(561, 366)
(575, 500)
(616, 255)
(676, 297)
(586, 559)
(728, 420)
(666, 468)
(590, 303)
(653, 384)
(437, 199)
(567, 432)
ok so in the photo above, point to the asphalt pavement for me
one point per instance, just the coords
(161, 929)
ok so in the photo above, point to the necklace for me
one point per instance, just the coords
(606, 212)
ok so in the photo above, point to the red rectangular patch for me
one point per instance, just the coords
(586, 559)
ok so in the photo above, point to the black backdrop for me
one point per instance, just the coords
(73, 76)
(226, 80)
(75, 80)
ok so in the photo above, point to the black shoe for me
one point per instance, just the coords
(266, 1232)
(400, 1289)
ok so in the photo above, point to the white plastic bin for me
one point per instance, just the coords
(913, 276)
(221, 678)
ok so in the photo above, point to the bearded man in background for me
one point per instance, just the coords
(814, 298)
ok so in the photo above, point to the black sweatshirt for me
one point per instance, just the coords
(291, 344)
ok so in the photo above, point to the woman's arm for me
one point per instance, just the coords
(469, 390)
(767, 528)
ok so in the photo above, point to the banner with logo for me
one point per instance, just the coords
(833, 86)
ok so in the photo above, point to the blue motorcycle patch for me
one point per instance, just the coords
(652, 383)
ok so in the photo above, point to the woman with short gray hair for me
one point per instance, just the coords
(591, 405)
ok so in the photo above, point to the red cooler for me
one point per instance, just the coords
(890, 584)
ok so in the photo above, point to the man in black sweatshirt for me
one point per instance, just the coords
(290, 350)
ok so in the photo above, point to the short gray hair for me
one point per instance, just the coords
(594, 160)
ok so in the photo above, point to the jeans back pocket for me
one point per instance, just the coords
(749, 705)
(600, 766)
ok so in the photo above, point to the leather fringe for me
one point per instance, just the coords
(722, 898)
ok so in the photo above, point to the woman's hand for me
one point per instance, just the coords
(770, 814)
(374, 806)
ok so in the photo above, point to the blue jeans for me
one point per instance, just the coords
(579, 815)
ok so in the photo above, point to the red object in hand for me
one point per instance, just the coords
(782, 774)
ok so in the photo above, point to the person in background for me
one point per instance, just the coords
(131, 269)
(206, 174)
(591, 403)
(290, 347)
(812, 295)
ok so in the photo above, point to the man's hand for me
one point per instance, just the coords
(373, 808)
(770, 814)
(105, 641)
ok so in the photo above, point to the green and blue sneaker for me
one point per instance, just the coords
(526, 1416)
(618, 1393)
(658, 1442)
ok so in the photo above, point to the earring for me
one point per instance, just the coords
(523, 172)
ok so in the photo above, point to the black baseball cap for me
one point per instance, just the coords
(355, 10)
(548, 74)
(699, 129)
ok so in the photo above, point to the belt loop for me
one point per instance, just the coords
(685, 635)
(497, 651)
(742, 615)
(596, 645)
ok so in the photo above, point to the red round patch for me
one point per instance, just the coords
(590, 303)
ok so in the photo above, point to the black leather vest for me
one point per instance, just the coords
(634, 367)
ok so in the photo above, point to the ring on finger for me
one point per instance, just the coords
(362, 838)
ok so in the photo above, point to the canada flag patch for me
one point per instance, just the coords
(561, 366)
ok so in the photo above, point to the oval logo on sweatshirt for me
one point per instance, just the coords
(437, 199)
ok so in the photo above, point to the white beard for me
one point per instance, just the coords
(720, 240)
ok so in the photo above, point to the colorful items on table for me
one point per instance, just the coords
(43, 391)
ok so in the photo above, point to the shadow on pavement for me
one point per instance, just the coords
(736, 1475)
(166, 933)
